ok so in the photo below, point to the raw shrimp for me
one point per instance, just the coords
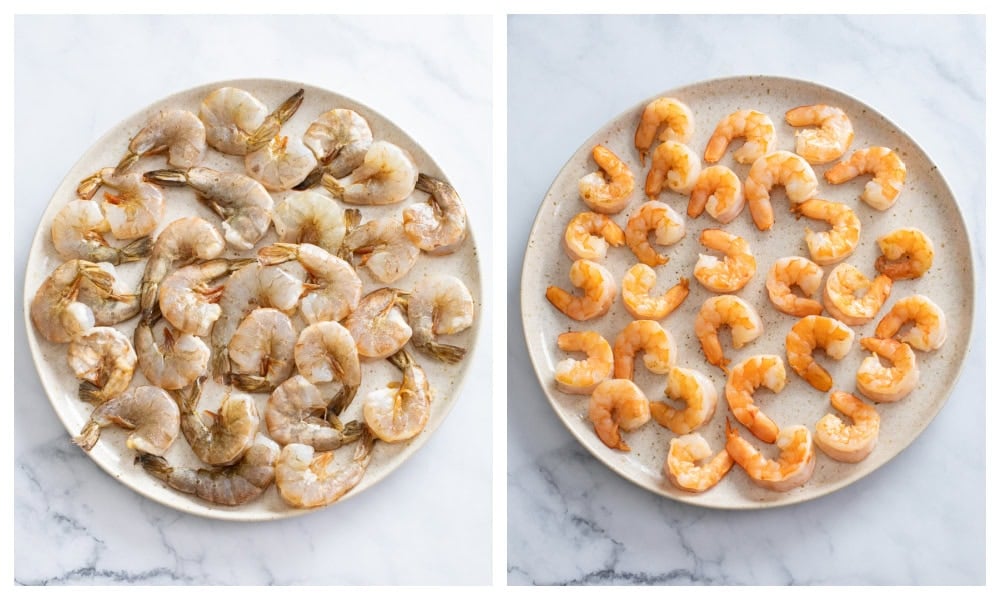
(326, 353)
(339, 138)
(658, 347)
(841, 299)
(717, 311)
(607, 191)
(828, 247)
(387, 175)
(789, 271)
(383, 247)
(589, 234)
(699, 396)
(55, 310)
(887, 384)
(399, 412)
(438, 225)
(637, 283)
(377, 325)
(174, 362)
(187, 300)
(666, 225)
(793, 468)
(809, 333)
(762, 370)
(76, 233)
(333, 289)
(439, 305)
(731, 273)
(297, 413)
(889, 175)
(230, 116)
(105, 360)
(777, 168)
(907, 253)
(260, 351)
(827, 143)
(673, 115)
(272, 123)
(280, 164)
(755, 126)
(617, 404)
(238, 484)
(109, 308)
(582, 376)
(135, 211)
(719, 191)
(599, 291)
(149, 412)
(929, 329)
(312, 218)
(683, 470)
(178, 132)
(231, 429)
(306, 479)
(848, 443)
(675, 164)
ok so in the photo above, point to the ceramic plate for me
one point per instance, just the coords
(926, 202)
(50, 359)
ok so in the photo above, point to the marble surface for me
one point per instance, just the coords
(917, 520)
(78, 76)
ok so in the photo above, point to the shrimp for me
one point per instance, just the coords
(306, 479)
(135, 211)
(777, 168)
(637, 283)
(439, 305)
(795, 463)
(377, 325)
(76, 233)
(929, 330)
(673, 115)
(838, 243)
(149, 412)
(827, 143)
(717, 311)
(105, 360)
(887, 384)
(608, 190)
(599, 291)
(272, 123)
(311, 218)
(681, 466)
(187, 300)
(889, 175)
(178, 132)
(241, 201)
(281, 164)
(55, 310)
(762, 370)
(809, 333)
(719, 191)
(109, 308)
(230, 116)
(340, 139)
(907, 253)
(231, 429)
(260, 352)
(437, 226)
(617, 404)
(333, 289)
(841, 299)
(697, 392)
(666, 224)
(789, 271)
(755, 126)
(297, 413)
(399, 412)
(589, 234)
(731, 273)
(235, 485)
(676, 164)
(326, 353)
(658, 346)
(848, 443)
(383, 247)
(173, 363)
(387, 175)
(582, 376)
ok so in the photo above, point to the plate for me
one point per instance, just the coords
(61, 386)
(926, 202)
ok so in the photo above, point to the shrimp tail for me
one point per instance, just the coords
(343, 398)
(311, 180)
(221, 367)
(126, 163)
(251, 383)
(89, 435)
(89, 186)
(148, 306)
(136, 250)
(273, 122)
(91, 393)
(333, 186)
(277, 253)
(167, 177)
(156, 466)
(363, 451)
(353, 431)
(444, 352)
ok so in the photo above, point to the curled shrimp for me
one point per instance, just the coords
(109, 308)
(851, 297)
(666, 225)
(173, 363)
(311, 218)
(339, 138)
(828, 247)
(907, 253)
(731, 273)
(439, 305)
(674, 164)
(150, 414)
(929, 329)
(272, 123)
(777, 168)
(699, 396)
(230, 431)
(333, 289)
(887, 384)
(756, 127)
(306, 479)
(280, 164)
(55, 310)
(765, 370)
(795, 463)
(76, 233)
(178, 132)
(260, 351)
(848, 443)
(437, 226)
(378, 326)
(889, 175)
(599, 291)
(105, 360)
(297, 413)
(589, 234)
(617, 404)
(717, 311)
(719, 191)
(326, 353)
(636, 285)
(672, 115)
(230, 116)
(383, 248)
(387, 175)
(582, 376)
(827, 143)
(813, 332)
(188, 301)
(608, 190)
(683, 470)
(399, 412)
(658, 347)
(798, 271)
(137, 208)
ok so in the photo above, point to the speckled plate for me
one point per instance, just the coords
(926, 202)
(60, 385)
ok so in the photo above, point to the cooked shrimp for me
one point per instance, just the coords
(755, 126)
(55, 310)
(311, 218)
(135, 211)
(306, 479)
(297, 413)
(230, 116)
(744, 377)
(399, 412)
(109, 308)
(848, 443)
(178, 132)
(907, 253)
(887, 384)
(789, 271)
(841, 294)
(387, 175)
(104, 359)
(439, 305)
(383, 247)
(731, 273)
(149, 412)
(828, 247)
(777, 168)
(272, 123)
(582, 376)
(173, 363)
(76, 233)
(636, 285)
(793, 468)
(333, 289)
(377, 325)
(589, 234)
(683, 470)
(339, 138)
(658, 347)
(599, 291)
(673, 115)
(719, 191)
(260, 352)
(666, 225)
(676, 164)
(326, 353)
(608, 190)
(438, 225)
(813, 332)
(929, 329)
(699, 396)
(889, 175)
(187, 300)
(281, 164)
(231, 429)
(827, 143)
(617, 404)
(717, 311)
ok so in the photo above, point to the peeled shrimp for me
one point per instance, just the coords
(280, 164)
(438, 225)
(109, 308)
(230, 116)
(848, 443)
(887, 384)
(599, 291)
(377, 325)
(306, 479)
(671, 114)
(339, 138)
(439, 305)
(827, 143)
(607, 191)
(311, 218)
(387, 175)
(793, 468)
(174, 362)
(636, 285)
(76, 233)
(813, 332)
(230, 431)
(260, 351)
(929, 329)
(297, 413)
(333, 289)
(755, 126)
(841, 299)
(582, 376)
(889, 175)
(149, 412)
(55, 310)
(907, 253)
(658, 347)
(383, 248)
(326, 353)
(617, 404)
(731, 273)
(717, 311)
(744, 377)
(838, 243)
(777, 168)
(272, 123)
(105, 360)
(683, 470)
(187, 300)
(789, 271)
(675, 164)
(178, 132)
(699, 396)
(399, 412)
(135, 211)
(666, 225)
(589, 234)
(719, 191)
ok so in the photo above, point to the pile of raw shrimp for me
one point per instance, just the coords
(851, 295)
(289, 319)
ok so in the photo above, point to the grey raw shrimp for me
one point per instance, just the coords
(230, 431)
(148, 411)
(297, 413)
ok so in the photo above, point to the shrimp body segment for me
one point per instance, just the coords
(777, 168)
(589, 234)
(334, 288)
(325, 352)
(766, 370)
(306, 479)
(149, 412)
(76, 233)
(599, 292)
(848, 443)
(731, 273)
(437, 226)
(887, 384)
(672, 115)
(174, 362)
(755, 126)
(281, 164)
(802, 272)
(383, 247)
(312, 218)
(658, 347)
(828, 247)
(851, 297)
(105, 360)
(674, 165)
(399, 413)
(387, 175)
(929, 329)
(297, 413)
(636, 286)
(607, 191)
(809, 333)
(229, 432)
(440, 305)
(582, 376)
(907, 253)
(230, 116)
(832, 138)
(340, 139)
(617, 405)
(717, 311)
(657, 218)
(795, 463)
(178, 132)
(889, 175)
(260, 352)
(55, 310)
(696, 391)
(378, 326)
(683, 470)
(719, 191)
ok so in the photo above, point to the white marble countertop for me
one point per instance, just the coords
(917, 520)
(76, 77)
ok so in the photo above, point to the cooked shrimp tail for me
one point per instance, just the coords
(272, 124)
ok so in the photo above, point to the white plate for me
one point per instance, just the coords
(60, 385)
(926, 202)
